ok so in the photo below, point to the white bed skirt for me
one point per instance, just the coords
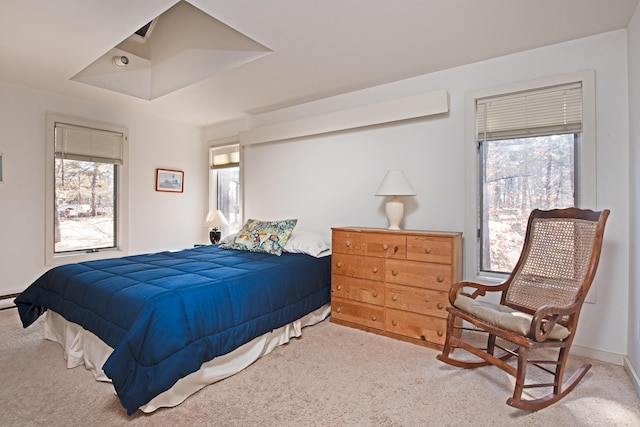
(82, 347)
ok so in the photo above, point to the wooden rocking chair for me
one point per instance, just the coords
(539, 305)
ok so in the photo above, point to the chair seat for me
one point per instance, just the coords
(504, 317)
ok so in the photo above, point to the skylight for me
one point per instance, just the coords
(142, 32)
(182, 46)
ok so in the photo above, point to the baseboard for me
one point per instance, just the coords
(633, 374)
(6, 303)
(603, 356)
(616, 359)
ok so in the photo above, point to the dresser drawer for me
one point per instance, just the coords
(417, 326)
(386, 246)
(358, 313)
(430, 249)
(362, 290)
(357, 266)
(347, 242)
(421, 274)
(417, 300)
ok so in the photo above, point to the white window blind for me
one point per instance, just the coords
(225, 157)
(548, 111)
(87, 144)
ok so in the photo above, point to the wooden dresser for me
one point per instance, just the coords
(394, 283)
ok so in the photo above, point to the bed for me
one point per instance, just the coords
(161, 326)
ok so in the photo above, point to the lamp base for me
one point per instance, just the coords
(214, 236)
(395, 211)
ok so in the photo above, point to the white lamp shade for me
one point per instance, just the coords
(215, 219)
(395, 183)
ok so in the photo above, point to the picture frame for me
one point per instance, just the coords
(169, 180)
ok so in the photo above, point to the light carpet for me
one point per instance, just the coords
(331, 376)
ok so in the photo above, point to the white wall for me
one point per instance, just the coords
(330, 180)
(634, 195)
(157, 221)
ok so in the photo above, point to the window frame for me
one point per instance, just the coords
(213, 182)
(586, 163)
(121, 202)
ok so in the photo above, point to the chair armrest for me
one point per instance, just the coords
(546, 317)
(479, 289)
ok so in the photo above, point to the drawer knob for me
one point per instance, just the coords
(347, 243)
(338, 264)
(440, 333)
(427, 250)
(374, 269)
(339, 287)
(394, 322)
(385, 246)
(374, 294)
(440, 306)
(440, 279)
(374, 317)
(394, 272)
(394, 297)
(338, 309)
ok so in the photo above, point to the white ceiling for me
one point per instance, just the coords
(320, 48)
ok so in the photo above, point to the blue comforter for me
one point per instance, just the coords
(165, 314)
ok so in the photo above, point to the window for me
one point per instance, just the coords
(224, 184)
(534, 149)
(85, 167)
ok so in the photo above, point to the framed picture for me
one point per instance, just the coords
(169, 180)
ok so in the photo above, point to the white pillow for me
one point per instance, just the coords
(308, 242)
(228, 238)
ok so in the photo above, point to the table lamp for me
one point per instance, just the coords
(215, 220)
(395, 184)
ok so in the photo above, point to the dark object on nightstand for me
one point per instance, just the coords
(215, 220)
(214, 236)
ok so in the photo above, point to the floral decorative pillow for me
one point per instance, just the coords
(262, 236)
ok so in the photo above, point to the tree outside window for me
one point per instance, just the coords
(520, 175)
(84, 197)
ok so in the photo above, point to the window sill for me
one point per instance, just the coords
(70, 258)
